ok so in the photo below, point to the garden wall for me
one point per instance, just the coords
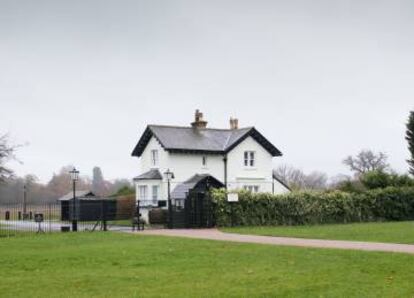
(300, 208)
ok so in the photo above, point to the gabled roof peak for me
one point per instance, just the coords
(206, 140)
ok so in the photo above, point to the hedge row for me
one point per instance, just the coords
(300, 208)
(125, 206)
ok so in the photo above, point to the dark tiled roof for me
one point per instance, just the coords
(150, 175)
(181, 190)
(79, 194)
(206, 140)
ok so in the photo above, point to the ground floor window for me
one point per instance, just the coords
(143, 192)
(251, 188)
(155, 193)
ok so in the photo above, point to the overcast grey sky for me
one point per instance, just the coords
(79, 80)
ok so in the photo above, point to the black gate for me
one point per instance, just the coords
(192, 204)
(193, 212)
(199, 210)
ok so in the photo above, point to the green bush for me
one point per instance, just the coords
(300, 208)
(381, 179)
(125, 207)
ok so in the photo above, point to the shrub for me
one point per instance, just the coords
(125, 207)
(158, 216)
(380, 179)
(299, 208)
(376, 179)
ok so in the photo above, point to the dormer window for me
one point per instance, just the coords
(154, 158)
(204, 161)
(249, 159)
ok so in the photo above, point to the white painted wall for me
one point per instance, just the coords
(145, 163)
(186, 165)
(240, 175)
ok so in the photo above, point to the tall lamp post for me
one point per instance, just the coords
(24, 202)
(169, 175)
(74, 175)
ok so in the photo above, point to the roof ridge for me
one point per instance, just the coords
(189, 127)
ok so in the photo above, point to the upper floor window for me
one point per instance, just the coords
(249, 160)
(204, 161)
(154, 157)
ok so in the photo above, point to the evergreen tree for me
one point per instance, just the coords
(98, 182)
(410, 138)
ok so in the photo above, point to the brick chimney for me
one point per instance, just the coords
(198, 120)
(234, 123)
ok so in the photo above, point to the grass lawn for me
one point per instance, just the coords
(393, 232)
(122, 265)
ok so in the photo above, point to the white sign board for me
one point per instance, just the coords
(233, 197)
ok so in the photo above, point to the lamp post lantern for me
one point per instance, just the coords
(169, 175)
(74, 175)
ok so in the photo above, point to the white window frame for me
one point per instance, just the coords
(249, 158)
(154, 157)
(143, 192)
(251, 188)
(155, 194)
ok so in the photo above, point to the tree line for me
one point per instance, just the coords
(12, 188)
(370, 169)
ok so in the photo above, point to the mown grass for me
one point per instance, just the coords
(393, 232)
(122, 265)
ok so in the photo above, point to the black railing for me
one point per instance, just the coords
(56, 217)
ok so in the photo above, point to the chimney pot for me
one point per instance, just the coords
(234, 123)
(198, 120)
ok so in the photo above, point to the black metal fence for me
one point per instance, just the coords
(98, 215)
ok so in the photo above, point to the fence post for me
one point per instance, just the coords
(232, 214)
(104, 216)
(50, 217)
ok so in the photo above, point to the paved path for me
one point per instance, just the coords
(214, 234)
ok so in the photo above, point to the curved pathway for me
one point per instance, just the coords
(214, 234)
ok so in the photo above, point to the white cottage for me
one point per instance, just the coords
(240, 158)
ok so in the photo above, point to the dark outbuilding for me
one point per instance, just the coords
(88, 206)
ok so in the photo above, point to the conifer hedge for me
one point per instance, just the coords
(303, 208)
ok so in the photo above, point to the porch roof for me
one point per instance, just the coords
(153, 174)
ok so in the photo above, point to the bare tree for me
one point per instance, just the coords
(296, 179)
(61, 183)
(316, 180)
(366, 161)
(6, 154)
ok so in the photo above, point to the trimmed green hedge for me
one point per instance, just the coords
(300, 208)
